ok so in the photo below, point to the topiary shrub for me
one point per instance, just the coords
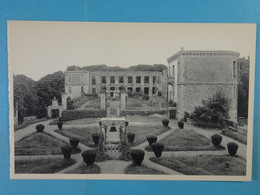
(60, 124)
(165, 122)
(131, 137)
(126, 123)
(157, 148)
(100, 123)
(180, 124)
(39, 128)
(137, 156)
(89, 157)
(216, 139)
(95, 137)
(74, 142)
(66, 150)
(151, 139)
(232, 148)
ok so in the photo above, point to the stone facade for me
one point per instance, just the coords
(90, 82)
(194, 76)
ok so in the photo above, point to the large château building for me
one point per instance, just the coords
(194, 76)
(80, 82)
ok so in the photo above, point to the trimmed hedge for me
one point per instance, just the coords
(151, 139)
(137, 156)
(39, 128)
(232, 148)
(74, 142)
(141, 112)
(95, 138)
(216, 139)
(165, 122)
(78, 114)
(89, 157)
(131, 137)
(157, 149)
(66, 150)
(181, 124)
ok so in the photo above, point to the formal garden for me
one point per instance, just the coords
(154, 145)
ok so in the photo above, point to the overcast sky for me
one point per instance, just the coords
(39, 48)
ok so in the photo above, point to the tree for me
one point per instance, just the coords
(48, 87)
(24, 95)
(214, 110)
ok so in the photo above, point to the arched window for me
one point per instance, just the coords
(93, 80)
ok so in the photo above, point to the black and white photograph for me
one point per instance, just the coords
(137, 101)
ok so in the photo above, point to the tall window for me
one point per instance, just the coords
(235, 91)
(138, 79)
(146, 79)
(112, 79)
(234, 69)
(173, 71)
(130, 79)
(93, 80)
(103, 79)
(81, 78)
(154, 79)
(154, 90)
(69, 78)
(121, 79)
(69, 90)
(138, 89)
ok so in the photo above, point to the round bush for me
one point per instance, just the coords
(131, 137)
(216, 139)
(137, 156)
(100, 123)
(165, 122)
(157, 148)
(151, 139)
(74, 142)
(95, 137)
(232, 148)
(126, 123)
(181, 124)
(66, 150)
(39, 128)
(89, 157)
(60, 124)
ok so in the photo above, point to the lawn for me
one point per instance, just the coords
(83, 169)
(39, 144)
(204, 164)
(144, 119)
(142, 131)
(42, 165)
(186, 140)
(241, 137)
(142, 170)
(84, 134)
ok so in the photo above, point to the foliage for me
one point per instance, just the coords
(165, 122)
(180, 124)
(39, 128)
(27, 123)
(60, 124)
(157, 149)
(25, 95)
(232, 148)
(95, 137)
(151, 139)
(137, 156)
(48, 87)
(74, 141)
(141, 112)
(213, 110)
(66, 150)
(216, 139)
(103, 67)
(78, 114)
(243, 87)
(130, 137)
(89, 157)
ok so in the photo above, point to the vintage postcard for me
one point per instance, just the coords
(137, 101)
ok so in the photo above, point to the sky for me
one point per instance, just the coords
(37, 48)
